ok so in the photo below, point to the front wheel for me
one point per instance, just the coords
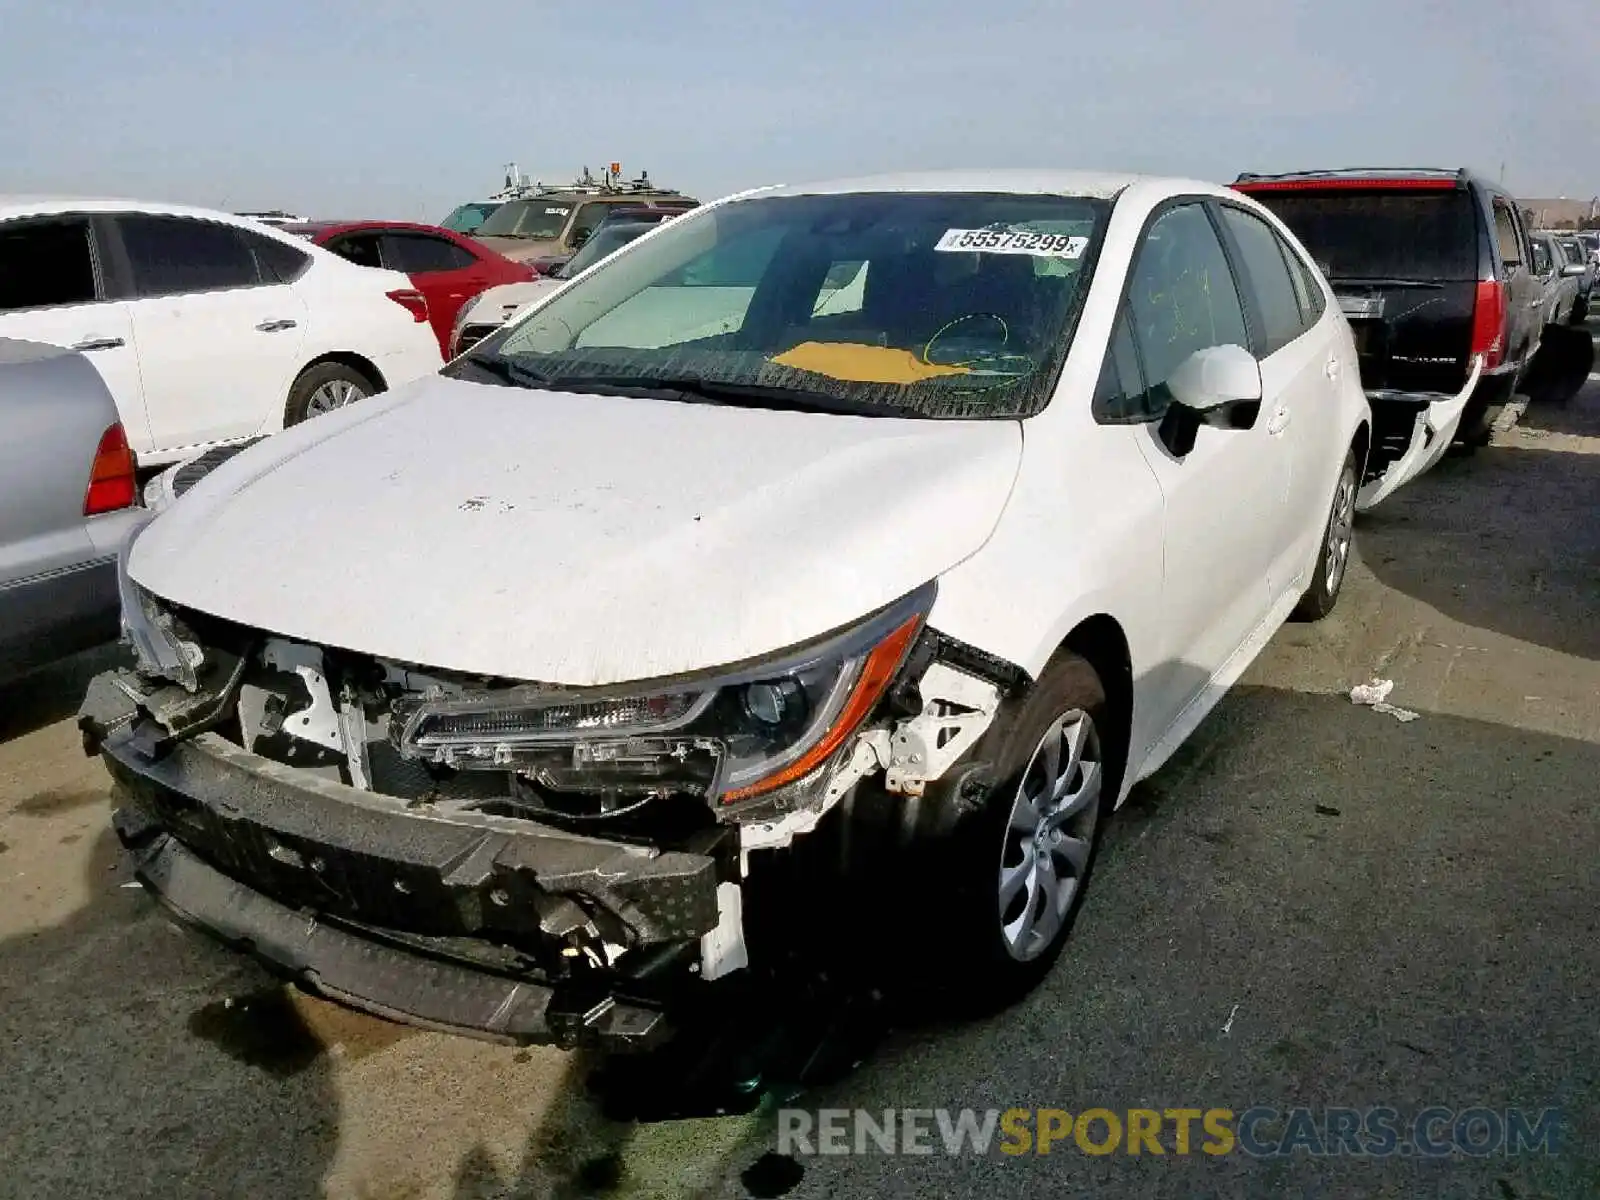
(1020, 861)
(1333, 559)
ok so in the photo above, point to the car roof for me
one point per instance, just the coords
(315, 228)
(42, 205)
(1095, 184)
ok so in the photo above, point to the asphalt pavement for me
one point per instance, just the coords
(1315, 904)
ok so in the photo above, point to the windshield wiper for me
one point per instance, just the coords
(508, 370)
(746, 395)
(1385, 281)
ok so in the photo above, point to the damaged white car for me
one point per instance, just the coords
(955, 499)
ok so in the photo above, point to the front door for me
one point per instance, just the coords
(1225, 498)
(1302, 363)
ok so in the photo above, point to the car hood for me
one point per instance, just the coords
(576, 539)
(518, 249)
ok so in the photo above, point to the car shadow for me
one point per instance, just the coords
(53, 692)
(1273, 922)
(1504, 540)
(142, 1064)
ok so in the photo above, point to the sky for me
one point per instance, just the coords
(402, 109)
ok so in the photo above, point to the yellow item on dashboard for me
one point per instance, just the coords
(862, 364)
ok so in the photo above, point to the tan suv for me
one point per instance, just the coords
(552, 223)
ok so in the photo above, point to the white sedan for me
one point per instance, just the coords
(206, 327)
(947, 505)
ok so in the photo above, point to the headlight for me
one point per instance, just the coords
(731, 736)
(158, 650)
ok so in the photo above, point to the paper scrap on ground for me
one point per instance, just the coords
(1375, 692)
(1375, 695)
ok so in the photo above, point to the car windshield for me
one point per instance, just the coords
(466, 218)
(527, 219)
(921, 304)
(1427, 234)
(609, 238)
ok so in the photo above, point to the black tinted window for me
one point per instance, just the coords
(276, 262)
(1182, 295)
(1270, 281)
(1121, 391)
(45, 263)
(176, 255)
(1383, 234)
(1306, 285)
(359, 248)
(418, 253)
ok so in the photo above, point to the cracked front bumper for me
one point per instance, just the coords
(453, 921)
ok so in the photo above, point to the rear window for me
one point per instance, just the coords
(1383, 234)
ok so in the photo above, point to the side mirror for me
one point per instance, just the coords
(1571, 270)
(579, 237)
(1218, 386)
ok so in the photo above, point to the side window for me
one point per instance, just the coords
(45, 264)
(1268, 276)
(1508, 233)
(1307, 287)
(1182, 296)
(173, 256)
(1120, 393)
(589, 217)
(1541, 257)
(359, 248)
(419, 253)
(276, 262)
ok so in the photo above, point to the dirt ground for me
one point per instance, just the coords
(1314, 904)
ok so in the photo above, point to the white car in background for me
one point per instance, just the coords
(206, 327)
(988, 489)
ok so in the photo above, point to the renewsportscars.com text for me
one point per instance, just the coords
(1260, 1131)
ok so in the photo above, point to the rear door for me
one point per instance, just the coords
(57, 286)
(219, 336)
(444, 272)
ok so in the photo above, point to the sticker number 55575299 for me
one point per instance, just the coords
(1013, 241)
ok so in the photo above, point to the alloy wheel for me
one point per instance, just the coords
(336, 393)
(1050, 835)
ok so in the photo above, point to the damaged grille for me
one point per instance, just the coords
(338, 715)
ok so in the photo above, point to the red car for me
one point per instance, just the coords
(445, 267)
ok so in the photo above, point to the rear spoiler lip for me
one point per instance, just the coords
(1348, 184)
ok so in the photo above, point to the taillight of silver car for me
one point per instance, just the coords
(112, 482)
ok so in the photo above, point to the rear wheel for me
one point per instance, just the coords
(1333, 559)
(322, 388)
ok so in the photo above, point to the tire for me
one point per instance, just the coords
(979, 963)
(319, 389)
(1333, 553)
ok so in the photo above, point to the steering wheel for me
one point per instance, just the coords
(927, 350)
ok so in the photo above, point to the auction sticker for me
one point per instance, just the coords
(1014, 241)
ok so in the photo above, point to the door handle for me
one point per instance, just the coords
(1279, 421)
(1331, 368)
(99, 343)
(274, 326)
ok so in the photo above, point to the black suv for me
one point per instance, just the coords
(1431, 268)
